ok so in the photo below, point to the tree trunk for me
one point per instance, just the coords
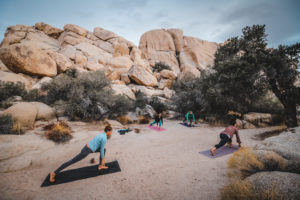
(290, 114)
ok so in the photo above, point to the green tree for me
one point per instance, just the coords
(236, 80)
(281, 67)
(245, 68)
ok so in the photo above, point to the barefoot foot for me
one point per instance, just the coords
(52, 177)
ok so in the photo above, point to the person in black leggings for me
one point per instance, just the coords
(95, 145)
(226, 137)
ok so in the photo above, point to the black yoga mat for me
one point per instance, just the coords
(185, 124)
(82, 173)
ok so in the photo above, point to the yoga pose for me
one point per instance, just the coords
(158, 120)
(95, 145)
(226, 137)
(189, 118)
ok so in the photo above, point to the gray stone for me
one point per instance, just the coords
(284, 185)
(286, 144)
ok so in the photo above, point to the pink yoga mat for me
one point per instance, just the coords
(156, 128)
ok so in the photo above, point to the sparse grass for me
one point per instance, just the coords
(59, 132)
(124, 120)
(244, 190)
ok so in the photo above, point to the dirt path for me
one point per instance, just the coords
(155, 165)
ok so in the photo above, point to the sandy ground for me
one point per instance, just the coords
(155, 165)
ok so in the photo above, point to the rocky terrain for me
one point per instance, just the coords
(34, 54)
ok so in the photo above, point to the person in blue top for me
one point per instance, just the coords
(95, 145)
(190, 118)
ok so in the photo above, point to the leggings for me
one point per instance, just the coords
(85, 151)
(224, 139)
(156, 122)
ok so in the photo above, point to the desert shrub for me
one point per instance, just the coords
(143, 120)
(158, 67)
(88, 96)
(189, 96)
(273, 162)
(268, 104)
(9, 89)
(243, 163)
(9, 126)
(246, 162)
(124, 120)
(119, 105)
(32, 95)
(141, 99)
(157, 105)
(238, 190)
(59, 132)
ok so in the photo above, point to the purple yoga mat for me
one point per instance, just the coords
(222, 151)
(156, 128)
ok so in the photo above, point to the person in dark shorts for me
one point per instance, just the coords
(226, 137)
(95, 145)
(158, 120)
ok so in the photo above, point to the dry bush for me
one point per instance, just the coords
(243, 163)
(143, 120)
(9, 126)
(244, 190)
(237, 190)
(59, 132)
(246, 162)
(273, 162)
(124, 120)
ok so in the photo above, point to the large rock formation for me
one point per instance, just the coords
(177, 51)
(28, 59)
(141, 76)
(25, 113)
(45, 51)
(44, 112)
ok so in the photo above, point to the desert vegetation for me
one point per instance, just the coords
(159, 66)
(86, 96)
(9, 126)
(244, 77)
(9, 90)
(59, 132)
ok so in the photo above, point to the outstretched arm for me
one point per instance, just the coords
(238, 138)
(102, 154)
(187, 117)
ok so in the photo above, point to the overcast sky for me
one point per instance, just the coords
(214, 20)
